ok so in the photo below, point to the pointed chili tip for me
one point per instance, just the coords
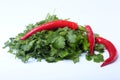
(103, 64)
(22, 38)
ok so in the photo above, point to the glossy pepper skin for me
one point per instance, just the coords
(91, 39)
(50, 26)
(111, 49)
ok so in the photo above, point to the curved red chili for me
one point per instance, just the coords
(91, 38)
(111, 49)
(50, 26)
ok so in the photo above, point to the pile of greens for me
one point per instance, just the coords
(53, 45)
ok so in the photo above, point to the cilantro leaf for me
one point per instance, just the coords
(71, 37)
(96, 58)
(63, 54)
(59, 42)
(88, 57)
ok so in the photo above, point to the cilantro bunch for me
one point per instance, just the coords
(53, 45)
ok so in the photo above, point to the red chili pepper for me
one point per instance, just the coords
(91, 38)
(50, 26)
(111, 49)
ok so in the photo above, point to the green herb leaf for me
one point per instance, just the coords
(88, 57)
(28, 46)
(59, 42)
(63, 54)
(98, 58)
(71, 37)
(75, 60)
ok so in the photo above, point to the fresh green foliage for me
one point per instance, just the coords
(53, 45)
(88, 57)
(96, 58)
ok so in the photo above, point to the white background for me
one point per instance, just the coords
(102, 15)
